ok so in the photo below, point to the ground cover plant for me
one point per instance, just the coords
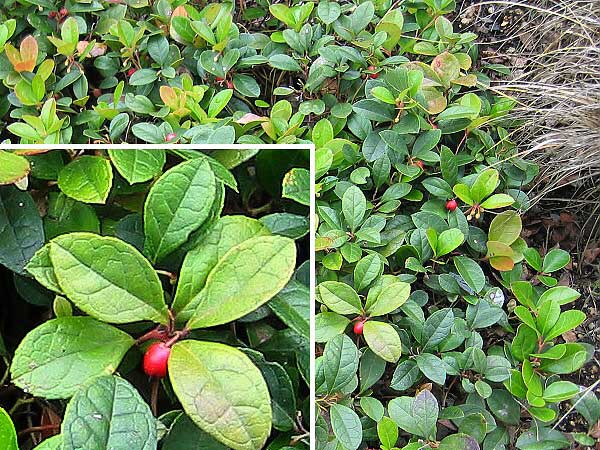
(154, 299)
(439, 325)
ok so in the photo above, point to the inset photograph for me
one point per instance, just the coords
(154, 299)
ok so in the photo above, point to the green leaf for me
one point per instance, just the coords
(555, 260)
(293, 226)
(219, 102)
(296, 186)
(471, 272)
(185, 435)
(247, 276)
(137, 166)
(416, 415)
(66, 215)
(107, 278)
(346, 426)
(340, 362)
(436, 328)
(108, 413)
(87, 179)
(407, 373)
(213, 381)
(339, 297)
(142, 77)
(328, 325)
(559, 391)
(559, 294)
(177, 205)
(227, 232)
(484, 185)
(506, 227)
(504, 407)
(52, 443)
(8, 435)
(40, 266)
(61, 355)
(498, 201)
(12, 167)
(367, 270)
(432, 367)
(383, 339)
(448, 241)
(390, 298)
(459, 441)
(21, 228)
(387, 430)
(372, 408)
(284, 62)
(328, 11)
(568, 320)
(292, 306)
(354, 207)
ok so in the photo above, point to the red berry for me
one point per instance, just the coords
(229, 84)
(155, 360)
(131, 72)
(358, 327)
(451, 205)
(63, 12)
(51, 14)
(419, 164)
(219, 79)
(373, 75)
(97, 92)
(169, 137)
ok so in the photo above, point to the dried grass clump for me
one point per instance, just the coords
(553, 47)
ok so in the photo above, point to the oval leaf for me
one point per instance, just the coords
(58, 357)
(222, 392)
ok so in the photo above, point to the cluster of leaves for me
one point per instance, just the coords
(205, 251)
(437, 327)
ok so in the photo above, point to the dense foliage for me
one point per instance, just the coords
(438, 327)
(185, 251)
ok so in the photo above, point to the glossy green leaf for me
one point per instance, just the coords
(21, 229)
(247, 276)
(177, 205)
(61, 355)
(339, 297)
(87, 179)
(8, 436)
(227, 232)
(213, 381)
(137, 166)
(12, 167)
(108, 413)
(383, 340)
(107, 278)
(346, 426)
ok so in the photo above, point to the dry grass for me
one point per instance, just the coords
(553, 47)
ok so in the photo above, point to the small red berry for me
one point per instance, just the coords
(219, 79)
(131, 72)
(51, 14)
(419, 164)
(63, 12)
(373, 75)
(169, 137)
(358, 327)
(97, 92)
(155, 360)
(451, 205)
(229, 84)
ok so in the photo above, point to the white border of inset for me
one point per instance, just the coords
(312, 215)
